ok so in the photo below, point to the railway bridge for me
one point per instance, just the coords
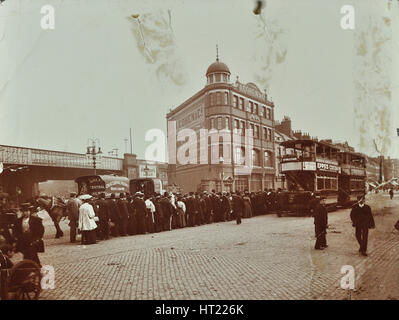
(23, 168)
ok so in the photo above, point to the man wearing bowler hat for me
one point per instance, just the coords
(362, 220)
(320, 223)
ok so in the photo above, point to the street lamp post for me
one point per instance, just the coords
(221, 162)
(93, 152)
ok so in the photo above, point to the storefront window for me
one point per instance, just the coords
(241, 184)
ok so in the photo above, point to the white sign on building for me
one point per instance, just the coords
(146, 171)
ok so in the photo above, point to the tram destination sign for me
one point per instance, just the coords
(328, 167)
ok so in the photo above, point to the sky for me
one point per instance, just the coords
(100, 72)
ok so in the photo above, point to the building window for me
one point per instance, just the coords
(219, 123)
(269, 114)
(264, 112)
(241, 184)
(210, 79)
(251, 106)
(226, 124)
(242, 127)
(218, 77)
(264, 133)
(252, 127)
(212, 99)
(226, 98)
(236, 125)
(255, 157)
(267, 159)
(213, 123)
(269, 132)
(235, 101)
(239, 155)
(218, 98)
(242, 103)
(224, 78)
(256, 132)
(255, 108)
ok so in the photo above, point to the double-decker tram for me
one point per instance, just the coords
(352, 180)
(311, 168)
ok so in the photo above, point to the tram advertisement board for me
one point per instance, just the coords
(328, 167)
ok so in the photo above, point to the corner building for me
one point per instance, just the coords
(227, 107)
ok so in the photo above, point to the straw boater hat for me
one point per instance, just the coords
(85, 197)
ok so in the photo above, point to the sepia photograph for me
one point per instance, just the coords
(216, 151)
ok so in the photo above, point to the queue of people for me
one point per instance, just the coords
(124, 214)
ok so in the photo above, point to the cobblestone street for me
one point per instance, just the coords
(265, 257)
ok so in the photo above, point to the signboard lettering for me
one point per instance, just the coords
(328, 167)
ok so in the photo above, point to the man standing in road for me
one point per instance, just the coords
(73, 215)
(362, 220)
(320, 223)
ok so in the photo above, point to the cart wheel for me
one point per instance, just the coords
(24, 281)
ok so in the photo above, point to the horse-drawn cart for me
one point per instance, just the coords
(22, 280)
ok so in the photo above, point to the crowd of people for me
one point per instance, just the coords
(120, 215)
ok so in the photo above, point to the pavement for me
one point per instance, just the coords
(266, 257)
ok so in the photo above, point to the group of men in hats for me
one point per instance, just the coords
(125, 214)
(361, 217)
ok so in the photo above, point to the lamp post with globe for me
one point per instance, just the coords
(93, 152)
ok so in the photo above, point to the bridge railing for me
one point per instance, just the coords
(48, 158)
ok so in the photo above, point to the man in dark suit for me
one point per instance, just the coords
(190, 209)
(114, 215)
(141, 212)
(124, 214)
(29, 231)
(225, 207)
(103, 216)
(320, 223)
(362, 220)
(237, 206)
(73, 215)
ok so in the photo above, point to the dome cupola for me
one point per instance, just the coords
(218, 71)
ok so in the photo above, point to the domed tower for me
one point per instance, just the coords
(218, 72)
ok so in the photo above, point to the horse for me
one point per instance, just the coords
(56, 209)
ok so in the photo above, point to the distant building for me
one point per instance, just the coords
(391, 168)
(138, 169)
(227, 107)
